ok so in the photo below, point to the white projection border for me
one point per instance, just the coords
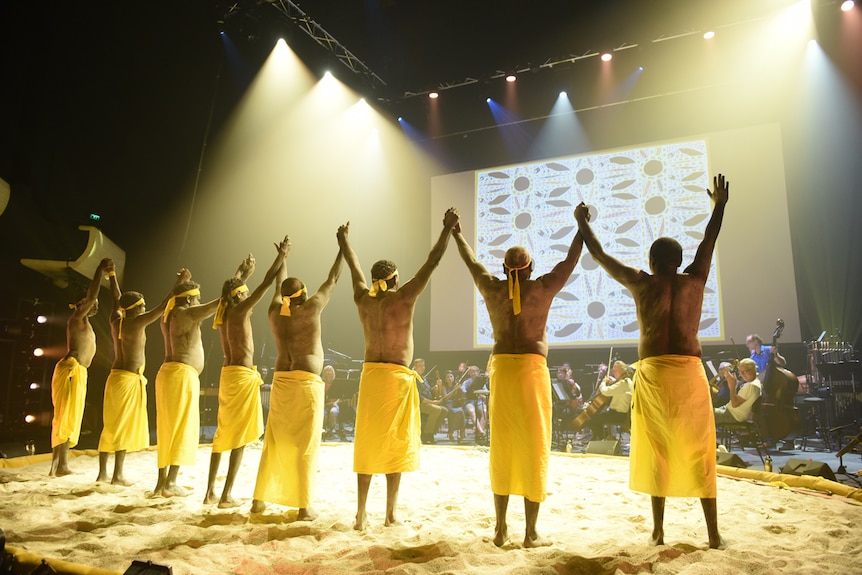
(637, 196)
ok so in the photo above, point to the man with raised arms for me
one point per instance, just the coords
(673, 429)
(124, 412)
(69, 381)
(178, 390)
(387, 416)
(288, 463)
(520, 402)
(240, 415)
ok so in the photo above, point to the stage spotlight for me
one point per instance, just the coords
(708, 35)
(511, 78)
(41, 319)
(488, 100)
(847, 5)
(640, 68)
(607, 57)
(35, 385)
(433, 95)
(400, 119)
(563, 94)
(29, 418)
(38, 352)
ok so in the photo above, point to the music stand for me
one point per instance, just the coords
(560, 392)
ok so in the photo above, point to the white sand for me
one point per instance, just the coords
(595, 523)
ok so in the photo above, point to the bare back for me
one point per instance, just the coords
(129, 352)
(525, 332)
(236, 336)
(387, 322)
(184, 331)
(297, 337)
(669, 309)
(81, 339)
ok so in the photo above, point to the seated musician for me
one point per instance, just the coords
(564, 376)
(760, 353)
(618, 386)
(428, 405)
(453, 399)
(719, 387)
(738, 409)
(331, 424)
(475, 404)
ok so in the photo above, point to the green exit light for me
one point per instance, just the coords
(95, 217)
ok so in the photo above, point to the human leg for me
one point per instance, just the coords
(103, 466)
(363, 482)
(210, 497)
(60, 460)
(657, 520)
(119, 461)
(710, 513)
(501, 533)
(227, 499)
(531, 536)
(393, 482)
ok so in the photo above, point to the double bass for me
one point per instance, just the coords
(779, 416)
(596, 403)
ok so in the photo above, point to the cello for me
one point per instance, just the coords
(779, 416)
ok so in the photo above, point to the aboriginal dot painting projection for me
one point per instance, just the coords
(636, 196)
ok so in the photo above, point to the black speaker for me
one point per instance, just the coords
(148, 568)
(729, 459)
(605, 447)
(796, 466)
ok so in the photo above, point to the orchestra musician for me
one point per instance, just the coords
(739, 406)
(617, 385)
(718, 385)
(760, 353)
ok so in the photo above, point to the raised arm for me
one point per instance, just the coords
(152, 315)
(703, 258)
(481, 277)
(556, 278)
(202, 311)
(92, 295)
(324, 292)
(356, 275)
(417, 285)
(245, 269)
(616, 269)
(282, 249)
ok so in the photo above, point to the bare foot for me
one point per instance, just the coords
(391, 520)
(175, 491)
(535, 541)
(210, 498)
(121, 481)
(720, 544)
(360, 522)
(102, 478)
(258, 506)
(227, 502)
(657, 538)
(60, 472)
(306, 514)
(501, 536)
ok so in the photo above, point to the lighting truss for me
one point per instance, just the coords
(316, 32)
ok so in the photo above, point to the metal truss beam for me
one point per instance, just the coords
(316, 32)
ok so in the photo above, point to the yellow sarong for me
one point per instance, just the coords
(673, 431)
(387, 420)
(178, 416)
(68, 393)
(240, 416)
(288, 462)
(126, 426)
(519, 409)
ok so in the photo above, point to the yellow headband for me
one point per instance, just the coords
(381, 284)
(222, 305)
(285, 300)
(515, 285)
(173, 301)
(123, 311)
